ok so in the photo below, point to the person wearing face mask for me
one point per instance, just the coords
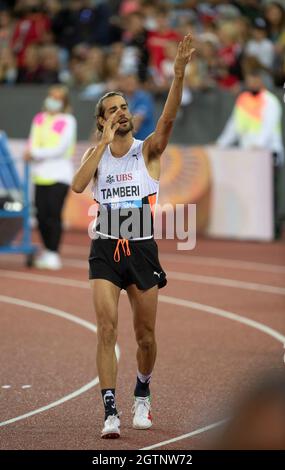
(50, 149)
(256, 123)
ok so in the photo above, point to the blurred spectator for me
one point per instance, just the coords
(261, 47)
(8, 66)
(148, 10)
(158, 39)
(31, 27)
(115, 6)
(204, 69)
(95, 61)
(50, 65)
(80, 51)
(6, 28)
(52, 7)
(128, 7)
(242, 26)
(229, 55)
(81, 73)
(141, 106)
(129, 60)
(81, 22)
(229, 49)
(135, 35)
(256, 123)
(207, 13)
(167, 72)
(275, 16)
(30, 71)
(186, 24)
(113, 62)
(64, 25)
(167, 64)
(249, 8)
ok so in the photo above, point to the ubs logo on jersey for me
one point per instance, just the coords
(110, 179)
(119, 178)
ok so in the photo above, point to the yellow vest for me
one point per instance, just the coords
(46, 131)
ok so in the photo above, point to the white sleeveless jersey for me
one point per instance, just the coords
(123, 185)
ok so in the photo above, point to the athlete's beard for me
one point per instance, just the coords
(126, 130)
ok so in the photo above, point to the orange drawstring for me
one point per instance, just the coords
(126, 249)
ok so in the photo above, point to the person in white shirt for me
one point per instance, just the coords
(256, 123)
(50, 149)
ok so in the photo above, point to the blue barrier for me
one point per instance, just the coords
(10, 182)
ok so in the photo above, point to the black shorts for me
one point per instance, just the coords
(141, 267)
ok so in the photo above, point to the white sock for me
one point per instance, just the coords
(144, 378)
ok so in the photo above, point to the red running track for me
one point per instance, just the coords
(220, 325)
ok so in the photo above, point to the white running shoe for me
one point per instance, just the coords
(48, 260)
(142, 413)
(111, 428)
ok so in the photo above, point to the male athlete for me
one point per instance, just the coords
(125, 172)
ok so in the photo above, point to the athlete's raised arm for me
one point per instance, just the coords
(92, 156)
(155, 144)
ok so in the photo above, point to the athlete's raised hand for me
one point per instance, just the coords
(110, 127)
(183, 55)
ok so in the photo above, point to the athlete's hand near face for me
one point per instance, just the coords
(110, 128)
(92, 156)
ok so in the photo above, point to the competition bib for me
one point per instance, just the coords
(120, 190)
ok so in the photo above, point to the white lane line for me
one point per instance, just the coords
(9, 386)
(67, 316)
(162, 298)
(262, 288)
(220, 281)
(189, 260)
(44, 278)
(196, 306)
(225, 314)
(199, 279)
(185, 436)
(200, 260)
(226, 263)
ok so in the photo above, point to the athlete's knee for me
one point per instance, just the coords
(107, 335)
(146, 341)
